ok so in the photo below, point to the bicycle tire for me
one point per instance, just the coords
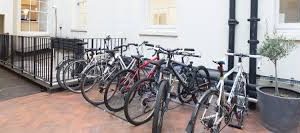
(240, 110)
(59, 72)
(205, 77)
(94, 90)
(108, 101)
(76, 68)
(202, 103)
(128, 99)
(160, 106)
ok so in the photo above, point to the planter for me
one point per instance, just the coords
(279, 114)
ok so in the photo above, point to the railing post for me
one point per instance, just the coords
(92, 42)
(5, 50)
(22, 55)
(12, 51)
(51, 63)
(1, 48)
(34, 56)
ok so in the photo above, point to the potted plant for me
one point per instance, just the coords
(279, 107)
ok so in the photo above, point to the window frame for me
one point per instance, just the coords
(76, 26)
(29, 32)
(149, 19)
(284, 26)
(157, 30)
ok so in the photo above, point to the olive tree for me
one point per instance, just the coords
(276, 47)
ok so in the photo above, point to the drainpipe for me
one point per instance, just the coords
(232, 22)
(55, 20)
(253, 40)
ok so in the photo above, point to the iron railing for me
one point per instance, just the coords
(37, 57)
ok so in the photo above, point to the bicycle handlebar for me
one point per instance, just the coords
(132, 44)
(243, 55)
(189, 49)
(258, 57)
(149, 45)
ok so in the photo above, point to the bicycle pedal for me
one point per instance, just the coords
(235, 126)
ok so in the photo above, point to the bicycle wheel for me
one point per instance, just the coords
(72, 75)
(140, 101)
(198, 82)
(60, 70)
(160, 106)
(93, 84)
(204, 114)
(202, 82)
(118, 86)
(241, 101)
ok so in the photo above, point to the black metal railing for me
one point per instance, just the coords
(38, 57)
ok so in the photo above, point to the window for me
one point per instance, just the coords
(34, 15)
(289, 11)
(162, 12)
(80, 21)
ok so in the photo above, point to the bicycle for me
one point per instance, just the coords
(122, 82)
(62, 65)
(217, 107)
(63, 76)
(163, 96)
(95, 76)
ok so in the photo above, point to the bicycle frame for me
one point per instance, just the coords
(143, 66)
(220, 85)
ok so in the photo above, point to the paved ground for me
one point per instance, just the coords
(66, 112)
(12, 85)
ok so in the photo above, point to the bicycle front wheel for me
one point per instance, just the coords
(60, 70)
(117, 88)
(205, 113)
(93, 84)
(160, 106)
(72, 75)
(140, 101)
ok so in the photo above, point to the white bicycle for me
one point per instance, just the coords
(218, 105)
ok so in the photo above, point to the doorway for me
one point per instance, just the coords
(1, 23)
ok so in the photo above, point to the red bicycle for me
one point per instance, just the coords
(121, 83)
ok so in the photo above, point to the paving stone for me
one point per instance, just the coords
(12, 85)
(67, 112)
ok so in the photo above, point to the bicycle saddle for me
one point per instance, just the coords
(91, 50)
(219, 62)
(157, 63)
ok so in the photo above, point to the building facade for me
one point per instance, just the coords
(202, 25)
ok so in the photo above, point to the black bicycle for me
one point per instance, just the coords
(193, 86)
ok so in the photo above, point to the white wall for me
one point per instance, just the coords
(7, 10)
(202, 25)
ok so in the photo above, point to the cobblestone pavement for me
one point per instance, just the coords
(66, 112)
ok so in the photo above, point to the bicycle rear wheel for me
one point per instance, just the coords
(72, 75)
(160, 106)
(140, 101)
(204, 114)
(93, 84)
(118, 86)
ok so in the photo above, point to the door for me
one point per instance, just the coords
(1, 23)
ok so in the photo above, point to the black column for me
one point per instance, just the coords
(232, 22)
(253, 40)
